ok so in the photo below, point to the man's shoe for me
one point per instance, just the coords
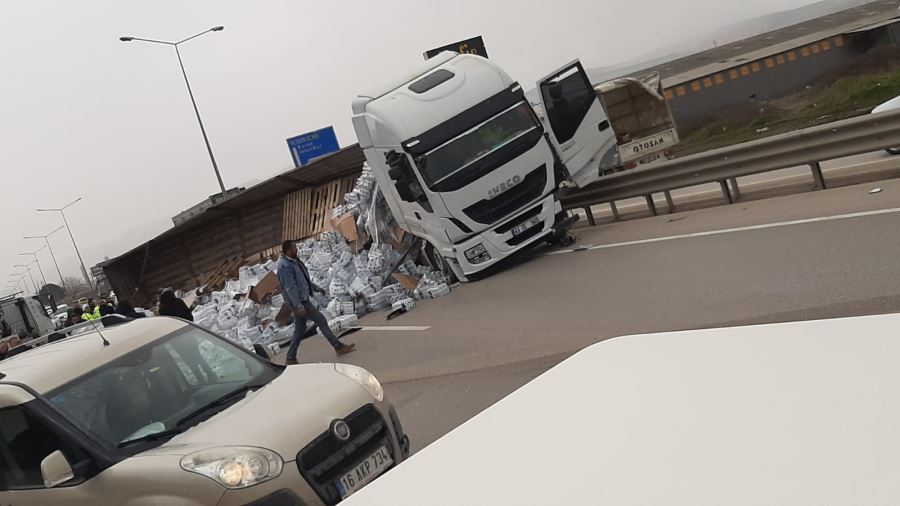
(290, 361)
(345, 349)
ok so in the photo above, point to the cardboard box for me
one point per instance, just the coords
(399, 235)
(190, 299)
(346, 226)
(268, 285)
(407, 281)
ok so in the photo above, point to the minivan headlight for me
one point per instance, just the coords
(365, 379)
(235, 466)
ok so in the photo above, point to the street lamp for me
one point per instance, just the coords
(47, 242)
(190, 92)
(24, 280)
(38, 262)
(62, 211)
(28, 270)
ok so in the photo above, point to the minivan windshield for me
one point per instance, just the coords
(161, 388)
(486, 138)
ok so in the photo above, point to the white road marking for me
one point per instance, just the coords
(387, 328)
(734, 230)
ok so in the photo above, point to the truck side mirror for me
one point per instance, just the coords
(395, 173)
(56, 470)
(397, 170)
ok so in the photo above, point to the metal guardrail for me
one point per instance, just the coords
(809, 146)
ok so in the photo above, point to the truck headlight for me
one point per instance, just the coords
(477, 255)
(235, 466)
(365, 379)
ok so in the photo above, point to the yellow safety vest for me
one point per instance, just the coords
(91, 316)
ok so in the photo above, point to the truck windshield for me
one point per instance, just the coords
(154, 389)
(475, 144)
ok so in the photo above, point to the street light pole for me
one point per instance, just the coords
(46, 239)
(62, 211)
(38, 262)
(212, 158)
(24, 280)
(28, 270)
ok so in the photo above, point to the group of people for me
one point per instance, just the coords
(98, 308)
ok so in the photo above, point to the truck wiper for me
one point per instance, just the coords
(218, 403)
(152, 437)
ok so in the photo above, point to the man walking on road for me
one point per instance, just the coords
(297, 288)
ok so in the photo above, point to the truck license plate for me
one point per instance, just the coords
(364, 472)
(518, 229)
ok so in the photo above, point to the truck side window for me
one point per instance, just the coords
(24, 442)
(567, 98)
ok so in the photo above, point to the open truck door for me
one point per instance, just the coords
(579, 127)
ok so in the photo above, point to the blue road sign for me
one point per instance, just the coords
(313, 145)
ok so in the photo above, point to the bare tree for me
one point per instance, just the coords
(76, 287)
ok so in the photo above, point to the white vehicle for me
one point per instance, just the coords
(890, 105)
(26, 316)
(161, 411)
(641, 118)
(466, 164)
(800, 413)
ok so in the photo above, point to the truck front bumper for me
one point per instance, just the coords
(519, 231)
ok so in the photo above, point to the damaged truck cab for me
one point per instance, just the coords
(465, 163)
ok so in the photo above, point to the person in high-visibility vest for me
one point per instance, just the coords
(91, 311)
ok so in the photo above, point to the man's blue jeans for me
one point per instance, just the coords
(312, 313)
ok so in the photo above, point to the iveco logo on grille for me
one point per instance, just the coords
(341, 430)
(502, 187)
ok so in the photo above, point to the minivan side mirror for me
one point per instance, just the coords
(56, 470)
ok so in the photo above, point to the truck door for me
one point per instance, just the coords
(578, 126)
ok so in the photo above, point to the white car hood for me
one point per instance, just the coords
(284, 416)
(796, 413)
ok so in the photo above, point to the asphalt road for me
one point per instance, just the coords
(804, 256)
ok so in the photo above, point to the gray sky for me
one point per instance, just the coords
(84, 115)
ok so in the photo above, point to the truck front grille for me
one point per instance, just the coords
(491, 210)
(323, 461)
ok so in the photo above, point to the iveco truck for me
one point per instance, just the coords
(466, 164)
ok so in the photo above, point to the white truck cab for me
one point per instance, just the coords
(466, 164)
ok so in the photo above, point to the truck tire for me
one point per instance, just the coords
(439, 263)
(561, 238)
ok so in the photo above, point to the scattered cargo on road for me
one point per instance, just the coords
(358, 280)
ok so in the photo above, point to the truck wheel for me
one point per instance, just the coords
(567, 239)
(439, 263)
(562, 238)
